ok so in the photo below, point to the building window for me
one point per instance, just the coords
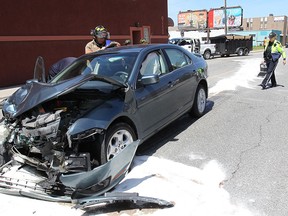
(261, 26)
(247, 24)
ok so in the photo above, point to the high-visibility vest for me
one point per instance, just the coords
(277, 48)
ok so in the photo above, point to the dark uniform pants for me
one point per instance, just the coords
(270, 75)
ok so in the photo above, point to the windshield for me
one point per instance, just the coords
(117, 66)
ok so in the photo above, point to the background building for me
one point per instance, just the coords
(271, 22)
(56, 29)
(258, 36)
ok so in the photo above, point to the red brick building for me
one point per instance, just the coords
(55, 29)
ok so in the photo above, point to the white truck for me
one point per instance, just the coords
(194, 45)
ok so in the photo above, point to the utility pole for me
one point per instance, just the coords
(225, 16)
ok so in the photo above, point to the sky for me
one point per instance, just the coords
(251, 8)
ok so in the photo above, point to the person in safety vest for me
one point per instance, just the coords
(100, 40)
(265, 42)
(273, 52)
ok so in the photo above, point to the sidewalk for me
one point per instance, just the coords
(7, 91)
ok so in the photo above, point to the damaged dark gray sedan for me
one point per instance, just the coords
(78, 132)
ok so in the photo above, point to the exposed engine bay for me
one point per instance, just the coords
(39, 137)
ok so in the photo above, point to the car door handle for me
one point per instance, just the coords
(173, 83)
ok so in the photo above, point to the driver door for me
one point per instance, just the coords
(154, 103)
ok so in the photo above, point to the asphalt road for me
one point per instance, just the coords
(244, 129)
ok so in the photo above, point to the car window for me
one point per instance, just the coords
(153, 64)
(177, 58)
(117, 66)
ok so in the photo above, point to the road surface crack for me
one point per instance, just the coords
(242, 153)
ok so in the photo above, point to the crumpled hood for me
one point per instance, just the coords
(35, 93)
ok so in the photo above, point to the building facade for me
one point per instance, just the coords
(56, 29)
(271, 22)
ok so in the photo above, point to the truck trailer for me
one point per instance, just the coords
(232, 44)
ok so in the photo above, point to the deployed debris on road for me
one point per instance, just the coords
(26, 176)
(118, 197)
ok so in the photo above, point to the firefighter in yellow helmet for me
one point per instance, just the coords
(272, 54)
(143, 41)
(100, 40)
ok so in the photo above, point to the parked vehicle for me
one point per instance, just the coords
(194, 45)
(76, 131)
(232, 44)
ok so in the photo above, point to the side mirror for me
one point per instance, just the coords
(150, 79)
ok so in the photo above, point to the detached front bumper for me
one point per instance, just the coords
(18, 179)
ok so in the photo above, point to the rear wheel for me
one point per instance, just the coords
(246, 51)
(199, 104)
(118, 136)
(207, 54)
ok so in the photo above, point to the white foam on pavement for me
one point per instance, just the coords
(247, 73)
(194, 191)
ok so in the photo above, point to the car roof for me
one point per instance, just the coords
(133, 48)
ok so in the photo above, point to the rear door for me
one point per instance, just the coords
(184, 76)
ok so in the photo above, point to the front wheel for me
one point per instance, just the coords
(199, 103)
(118, 136)
(5, 156)
(240, 52)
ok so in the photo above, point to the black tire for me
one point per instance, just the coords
(119, 130)
(4, 155)
(246, 52)
(240, 52)
(199, 104)
(2, 151)
(207, 54)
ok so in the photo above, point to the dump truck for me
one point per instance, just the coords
(232, 44)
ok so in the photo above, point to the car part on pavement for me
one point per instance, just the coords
(117, 197)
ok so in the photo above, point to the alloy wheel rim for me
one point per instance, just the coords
(201, 101)
(118, 142)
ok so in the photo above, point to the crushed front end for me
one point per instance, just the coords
(37, 146)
